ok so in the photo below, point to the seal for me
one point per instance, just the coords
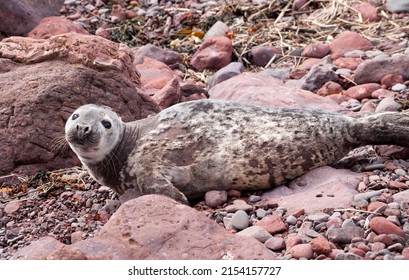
(194, 147)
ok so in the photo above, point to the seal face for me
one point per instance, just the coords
(198, 146)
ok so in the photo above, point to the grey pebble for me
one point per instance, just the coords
(368, 195)
(103, 189)
(319, 218)
(254, 198)
(399, 87)
(400, 172)
(227, 223)
(261, 213)
(374, 166)
(348, 223)
(291, 220)
(240, 220)
(344, 235)
(256, 232)
(360, 203)
(275, 243)
(347, 256)
(238, 204)
(396, 247)
(111, 205)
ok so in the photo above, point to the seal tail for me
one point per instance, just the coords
(383, 129)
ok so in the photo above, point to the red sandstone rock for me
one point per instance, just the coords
(316, 50)
(368, 12)
(320, 245)
(51, 26)
(382, 225)
(348, 41)
(348, 62)
(302, 251)
(261, 55)
(272, 224)
(362, 91)
(390, 80)
(330, 88)
(214, 53)
(161, 229)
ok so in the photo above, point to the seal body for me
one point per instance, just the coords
(194, 147)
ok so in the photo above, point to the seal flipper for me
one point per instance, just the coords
(150, 185)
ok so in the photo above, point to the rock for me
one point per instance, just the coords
(291, 220)
(392, 151)
(302, 251)
(213, 53)
(344, 235)
(118, 12)
(369, 194)
(280, 74)
(321, 246)
(377, 246)
(373, 70)
(254, 198)
(231, 70)
(360, 92)
(240, 220)
(38, 78)
(76, 236)
(217, 30)
(291, 240)
(388, 104)
(350, 63)
(390, 80)
(397, 6)
(272, 224)
(237, 205)
(261, 55)
(256, 232)
(318, 217)
(20, 16)
(162, 229)
(402, 196)
(168, 57)
(357, 251)
(215, 198)
(368, 12)
(347, 256)
(261, 90)
(261, 213)
(399, 87)
(336, 189)
(348, 41)
(381, 225)
(12, 207)
(318, 76)
(51, 26)
(375, 205)
(382, 93)
(316, 50)
(383, 238)
(330, 88)
(275, 243)
(405, 253)
(159, 82)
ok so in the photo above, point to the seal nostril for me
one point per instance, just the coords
(86, 129)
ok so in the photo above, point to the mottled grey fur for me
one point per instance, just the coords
(194, 147)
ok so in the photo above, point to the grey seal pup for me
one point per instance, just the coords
(194, 147)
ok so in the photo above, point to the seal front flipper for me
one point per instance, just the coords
(151, 185)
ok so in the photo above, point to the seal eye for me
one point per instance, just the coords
(106, 124)
(74, 117)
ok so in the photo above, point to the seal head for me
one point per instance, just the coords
(93, 132)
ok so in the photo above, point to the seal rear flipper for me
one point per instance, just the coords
(149, 185)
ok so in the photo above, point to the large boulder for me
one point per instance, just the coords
(153, 227)
(20, 16)
(262, 90)
(43, 81)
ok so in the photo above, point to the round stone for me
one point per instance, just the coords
(240, 220)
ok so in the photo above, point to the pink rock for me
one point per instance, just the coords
(215, 198)
(375, 205)
(76, 236)
(213, 53)
(405, 253)
(129, 14)
(336, 222)
(20, 16)
(51, 26)
(103, 31)
(335, 252)
(392, 151)
(291, 240)
(168, 57)
(162, 229)
(377, 246)
(57, 69)
(402, 196)
(159, 82)
(309, 63)
(397, 185)
(12, 207)
(382, 93)
(275, 243)
(368, 12)
(316, 50)
(348, 41)
(348, 62)
(251, 88)
(321, 246)
(369, 106)
(272, 224)
(338, 98)
(383, 238)
(330, 88)
(390, 80)
(302, 251)
(381, 225)
(362, 91)
(335, 186)
(358, 252)
(298, 213)
(261, 55)
(363, 247)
